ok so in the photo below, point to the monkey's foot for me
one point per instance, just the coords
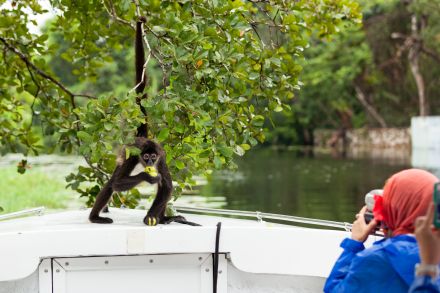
(100, 220)
(177, 219)
(151, 221)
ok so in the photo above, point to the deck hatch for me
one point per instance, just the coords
(165, 273)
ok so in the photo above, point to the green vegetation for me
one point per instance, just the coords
(377, 75)
(218, 71)
(32, 189)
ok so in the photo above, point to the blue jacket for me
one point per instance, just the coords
(424, 284)
(387, 266)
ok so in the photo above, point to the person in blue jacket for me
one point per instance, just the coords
(388, 265)
(427, 271)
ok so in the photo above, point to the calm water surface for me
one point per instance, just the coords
(291, 183)
(298, 183)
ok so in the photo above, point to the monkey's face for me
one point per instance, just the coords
(150, 159)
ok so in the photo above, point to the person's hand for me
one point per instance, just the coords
(360, 229)
(428, 238)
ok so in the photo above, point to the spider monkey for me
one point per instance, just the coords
(151, 154)
(122, 179)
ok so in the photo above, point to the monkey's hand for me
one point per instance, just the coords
(151, 221)
(152, 180)
(150, 170)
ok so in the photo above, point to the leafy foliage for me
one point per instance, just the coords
(368, 59)
(329, 76)
(222, 68)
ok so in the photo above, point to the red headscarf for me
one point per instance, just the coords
(406, 196)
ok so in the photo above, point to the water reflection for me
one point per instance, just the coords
(301, 182)
(295, 183)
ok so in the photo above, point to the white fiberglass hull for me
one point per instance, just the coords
(64, 253)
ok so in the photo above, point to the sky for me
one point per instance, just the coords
(40, 18)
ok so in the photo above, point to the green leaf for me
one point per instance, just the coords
(246, 147)
(253, 141)
(278, 108)
(84, 136)
(108, 126)
(254, 75)
(258, 120)
(239, 150)
(217, 162)
(225, 151)
(180, 165)
(163, 134)
(127, 153)
(131, 151)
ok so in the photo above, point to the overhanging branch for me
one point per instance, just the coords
(40, 72)
(431, 53)
(112, 12)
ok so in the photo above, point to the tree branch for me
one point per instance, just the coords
(361, 96)
(112, 12)
(414, 60)
(40, 72)
(35, 97)
(253, 26)
(138, 8)
(431, 53)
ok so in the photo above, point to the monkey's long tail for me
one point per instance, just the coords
(178, 219)
(185, 222)
(141, 75)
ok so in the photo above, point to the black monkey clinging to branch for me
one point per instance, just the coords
(151, 155)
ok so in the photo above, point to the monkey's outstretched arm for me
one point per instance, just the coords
(122, 180)
(124, 183)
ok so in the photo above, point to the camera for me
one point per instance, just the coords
(369, 201)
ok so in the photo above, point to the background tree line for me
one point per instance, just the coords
(376, 75)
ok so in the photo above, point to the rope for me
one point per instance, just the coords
(215, 258)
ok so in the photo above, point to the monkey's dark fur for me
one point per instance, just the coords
(141, 76)
(151, 154)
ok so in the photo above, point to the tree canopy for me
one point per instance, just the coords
(217, 71)
(376, 75)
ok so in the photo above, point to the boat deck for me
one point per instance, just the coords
(249, 246)
(121, 217)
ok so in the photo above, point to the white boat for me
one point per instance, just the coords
(64, 253)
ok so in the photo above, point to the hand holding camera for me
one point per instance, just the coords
(365, 224)
(360, 229)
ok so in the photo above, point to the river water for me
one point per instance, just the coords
(304, 183)
(315, 185)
